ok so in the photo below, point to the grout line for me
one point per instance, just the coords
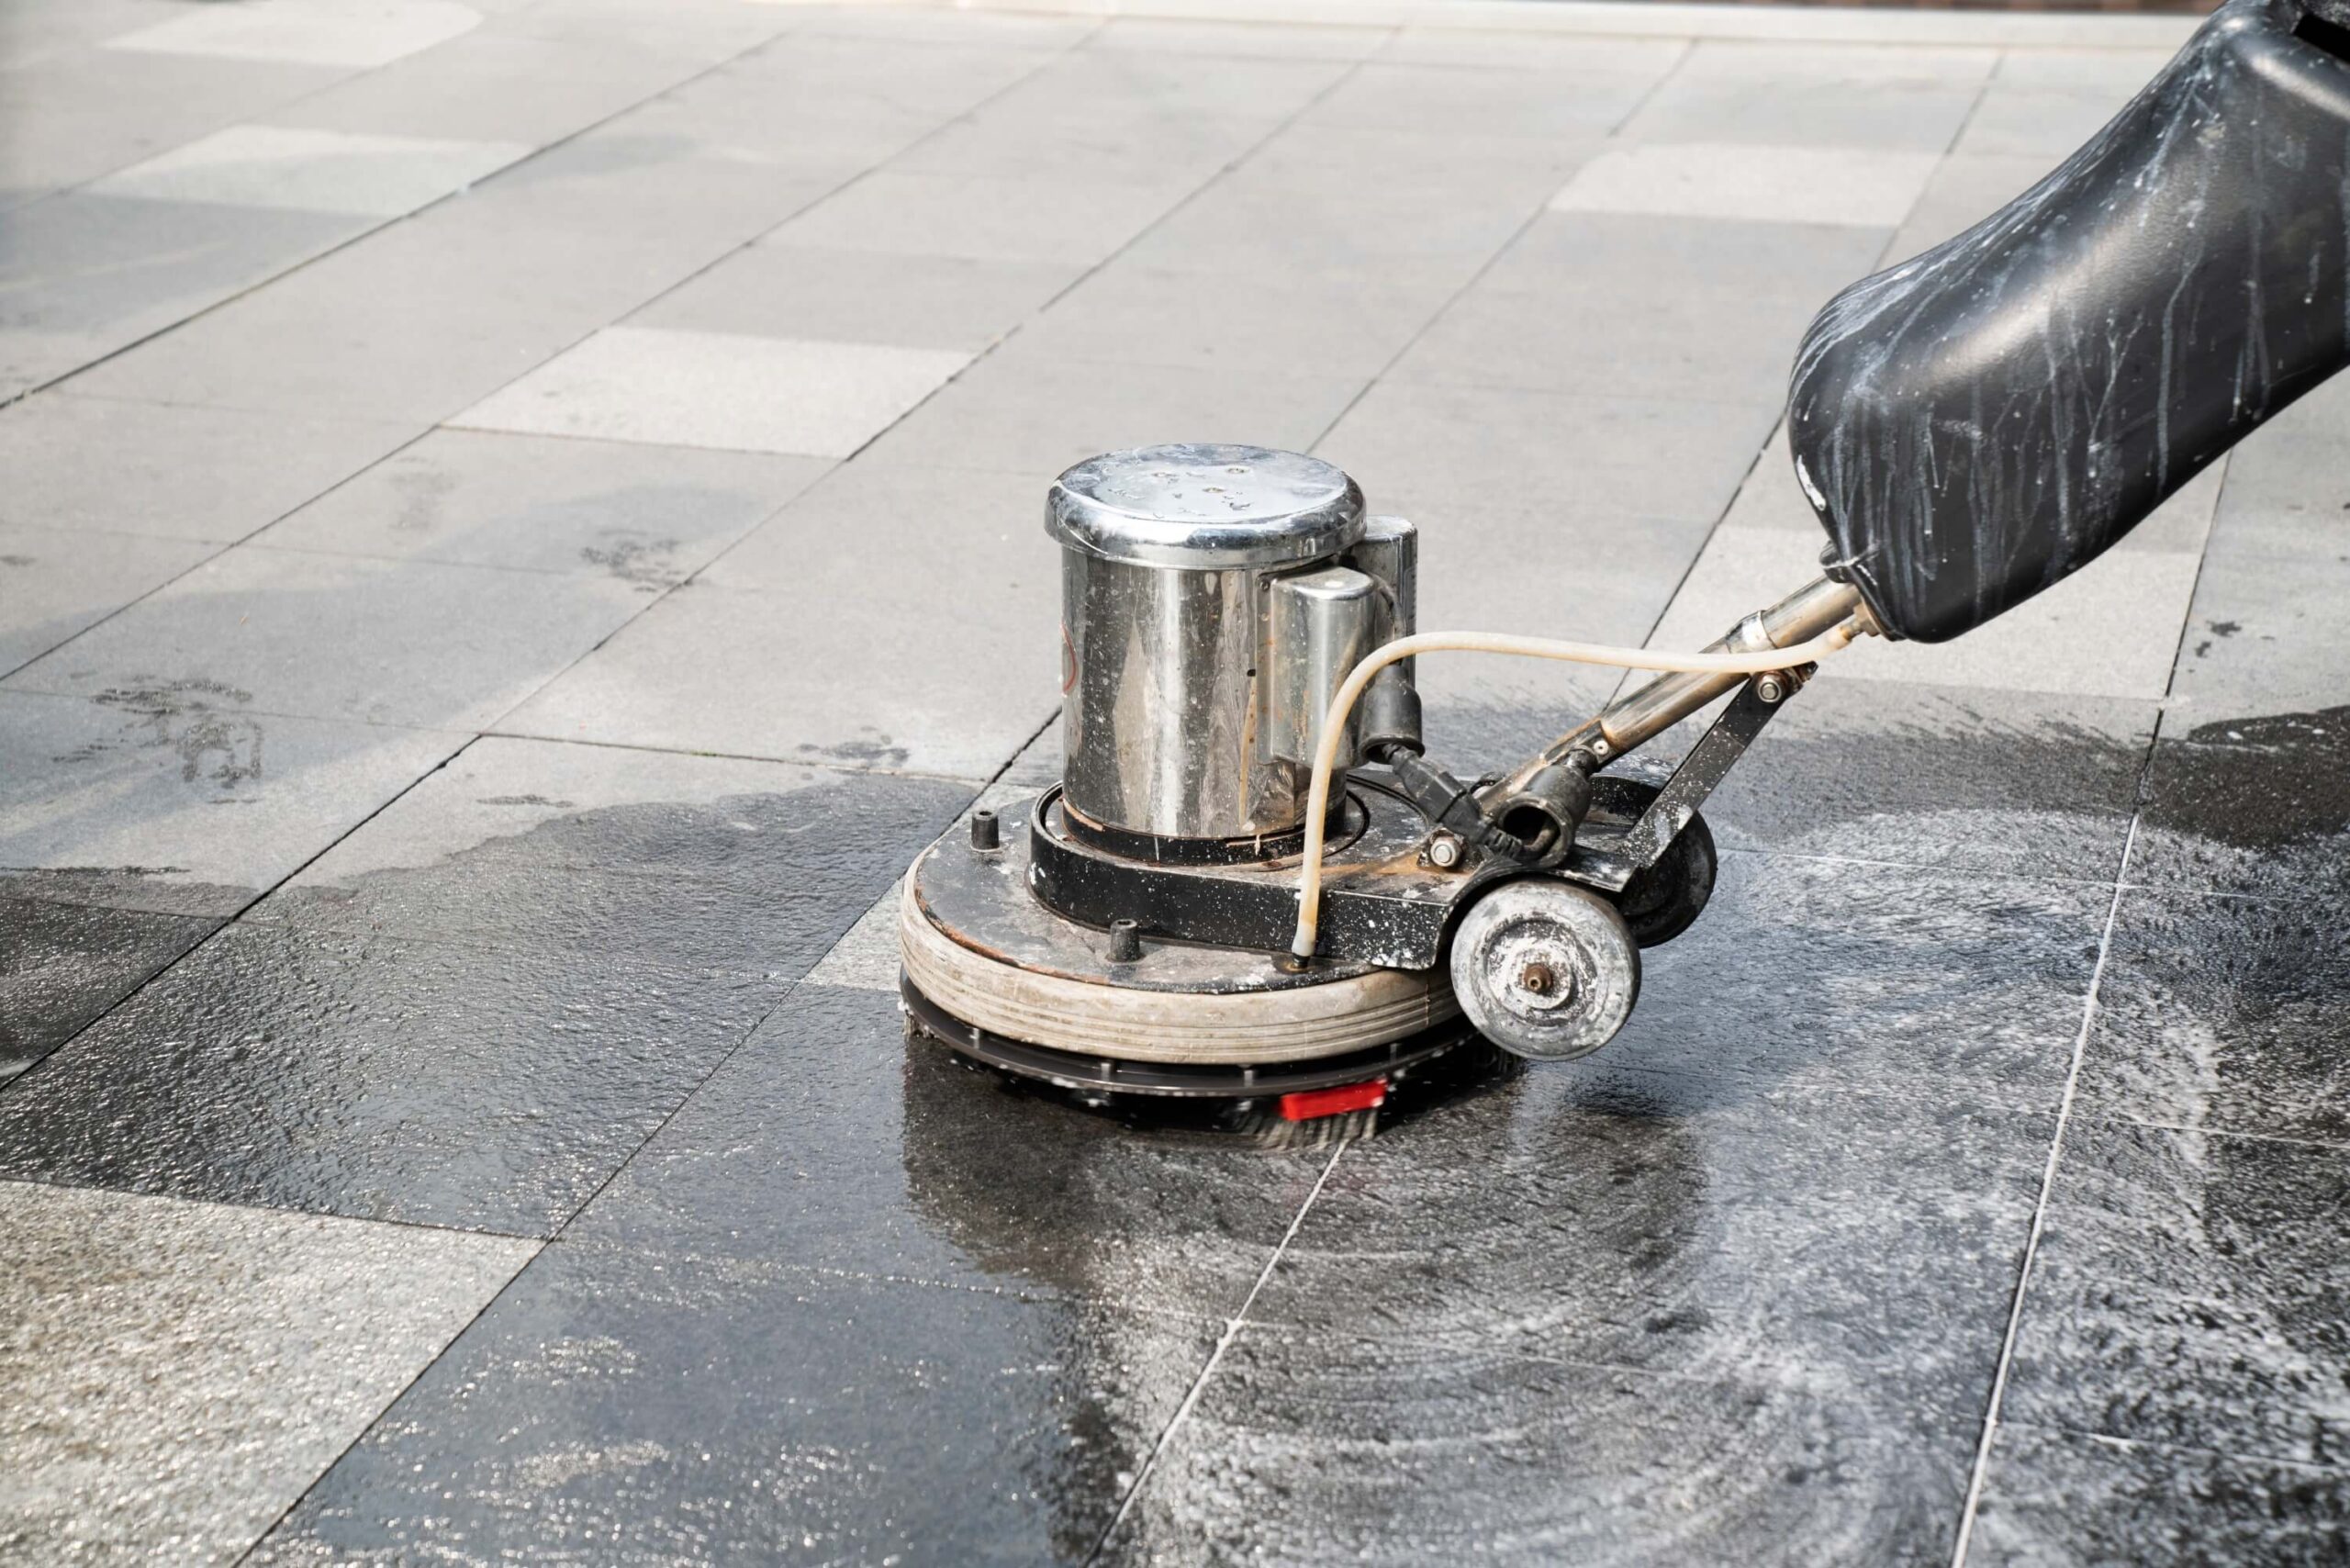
(2245, 1134)
(1224, 1342)
(2039, 1216)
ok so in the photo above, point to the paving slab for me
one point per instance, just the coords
(379, 1077)
(1004, 219)
(862, 296)
(1176, 37)
(1967, 187)
(62, 965)
(833, 1141)
(1388, 1454)
(2021, 117)
(2187, 1291)
(58, 581)
(1564, 103)
(2255, 806)
(646, 1408)
(309, 32)
(178, 1373)
(2055, 1496)
(726, 390)
(176, 795)
(88, 274)
(91, 465)
(594, 852)
(647, 516)
(1866, 188)
(304, 170)
(421, 644)
(1797, 95)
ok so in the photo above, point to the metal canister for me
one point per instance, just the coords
(1174, 724)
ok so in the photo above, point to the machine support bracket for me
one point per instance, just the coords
(1708, 764)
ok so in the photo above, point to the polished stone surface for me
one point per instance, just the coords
(521, 520)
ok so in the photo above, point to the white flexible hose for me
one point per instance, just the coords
(1333, 726)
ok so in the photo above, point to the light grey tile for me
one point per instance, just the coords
(2049, 122)
(1238, 41)
(2286, 492)
(1439, 99)
(719, 389)
(1116, 143)
(1678, 262)
(1966, 188)
(494, 86)
(54, 582)
(1867, 187)
(414, 642)
(2108, 630)
(929, 24)
(1369, 159)
(862, 296)
(1350, 324)
(992, 219)
(1250, 88)
(359, 36)
(885, 517)
(1486, 452)
(304, 170)
(2118, 71)
(1504, 50)
(656, 179)
(646, 515)
(169, 472)
(177, 1374)
(83, 276)
(1919, 116)
(940, 687)
(1026, 414)
(172, 794)
(83, 112)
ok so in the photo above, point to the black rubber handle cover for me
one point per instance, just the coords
(1978, 423)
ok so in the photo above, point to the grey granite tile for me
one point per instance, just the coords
(926, 25)
(1858, 1247)
(835, 1141)
(1678, 261)
(1486, 449)
(302, 169)
(1337, 324)
(1237, 40)
(948, 529)
(2286, 495)
(415, 643)
(1300, 1449)
(174, 795)
(646, 515)
(171, 472)
(1863, 187)
(2264, 637)
(2006, 782)
(176, 1375)
(1569, 102)
(2223, 1014)
(1025, 413)
(1966, 189)
(2188, 1289)
(726, 391)
(61, 965)
(645, 1408)
(594, 852)
(1080, 85)
(56, 581)
(862, 296)
(1719, 107)
(2046, 121)
(2259, 806)
(2063, 1498)
(358, 38)
(1511, 48)
(85, 274)
(990, 217)
(379, 1077)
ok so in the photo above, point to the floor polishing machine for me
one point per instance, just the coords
(1255, 892)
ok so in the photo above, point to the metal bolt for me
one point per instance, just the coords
(1538, 978)
(1769, 687)
(985, 835)
(1444, 851)
(1292, 963)
(1125, 941)
(1600, 748)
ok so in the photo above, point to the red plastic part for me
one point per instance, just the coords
(1308, 1104)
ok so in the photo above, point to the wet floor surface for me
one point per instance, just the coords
(455, 1106)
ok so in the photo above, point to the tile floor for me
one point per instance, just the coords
(519, 518)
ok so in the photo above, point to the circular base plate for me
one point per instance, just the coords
(977, 945)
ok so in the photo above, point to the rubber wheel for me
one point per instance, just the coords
(1545, 968)
(1664, 901)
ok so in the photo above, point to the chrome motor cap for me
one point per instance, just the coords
(1206, 507)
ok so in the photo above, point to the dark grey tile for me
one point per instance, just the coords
(835, 1141)
(2255, 806)
(1306, 1450)
(2052, 1497)
(636, 1409)
(1853, 1248)
(377, 1077)
(2225, 1014)
(61, 965)
(2188, 1289)
(1820, 975)
(758, 883)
